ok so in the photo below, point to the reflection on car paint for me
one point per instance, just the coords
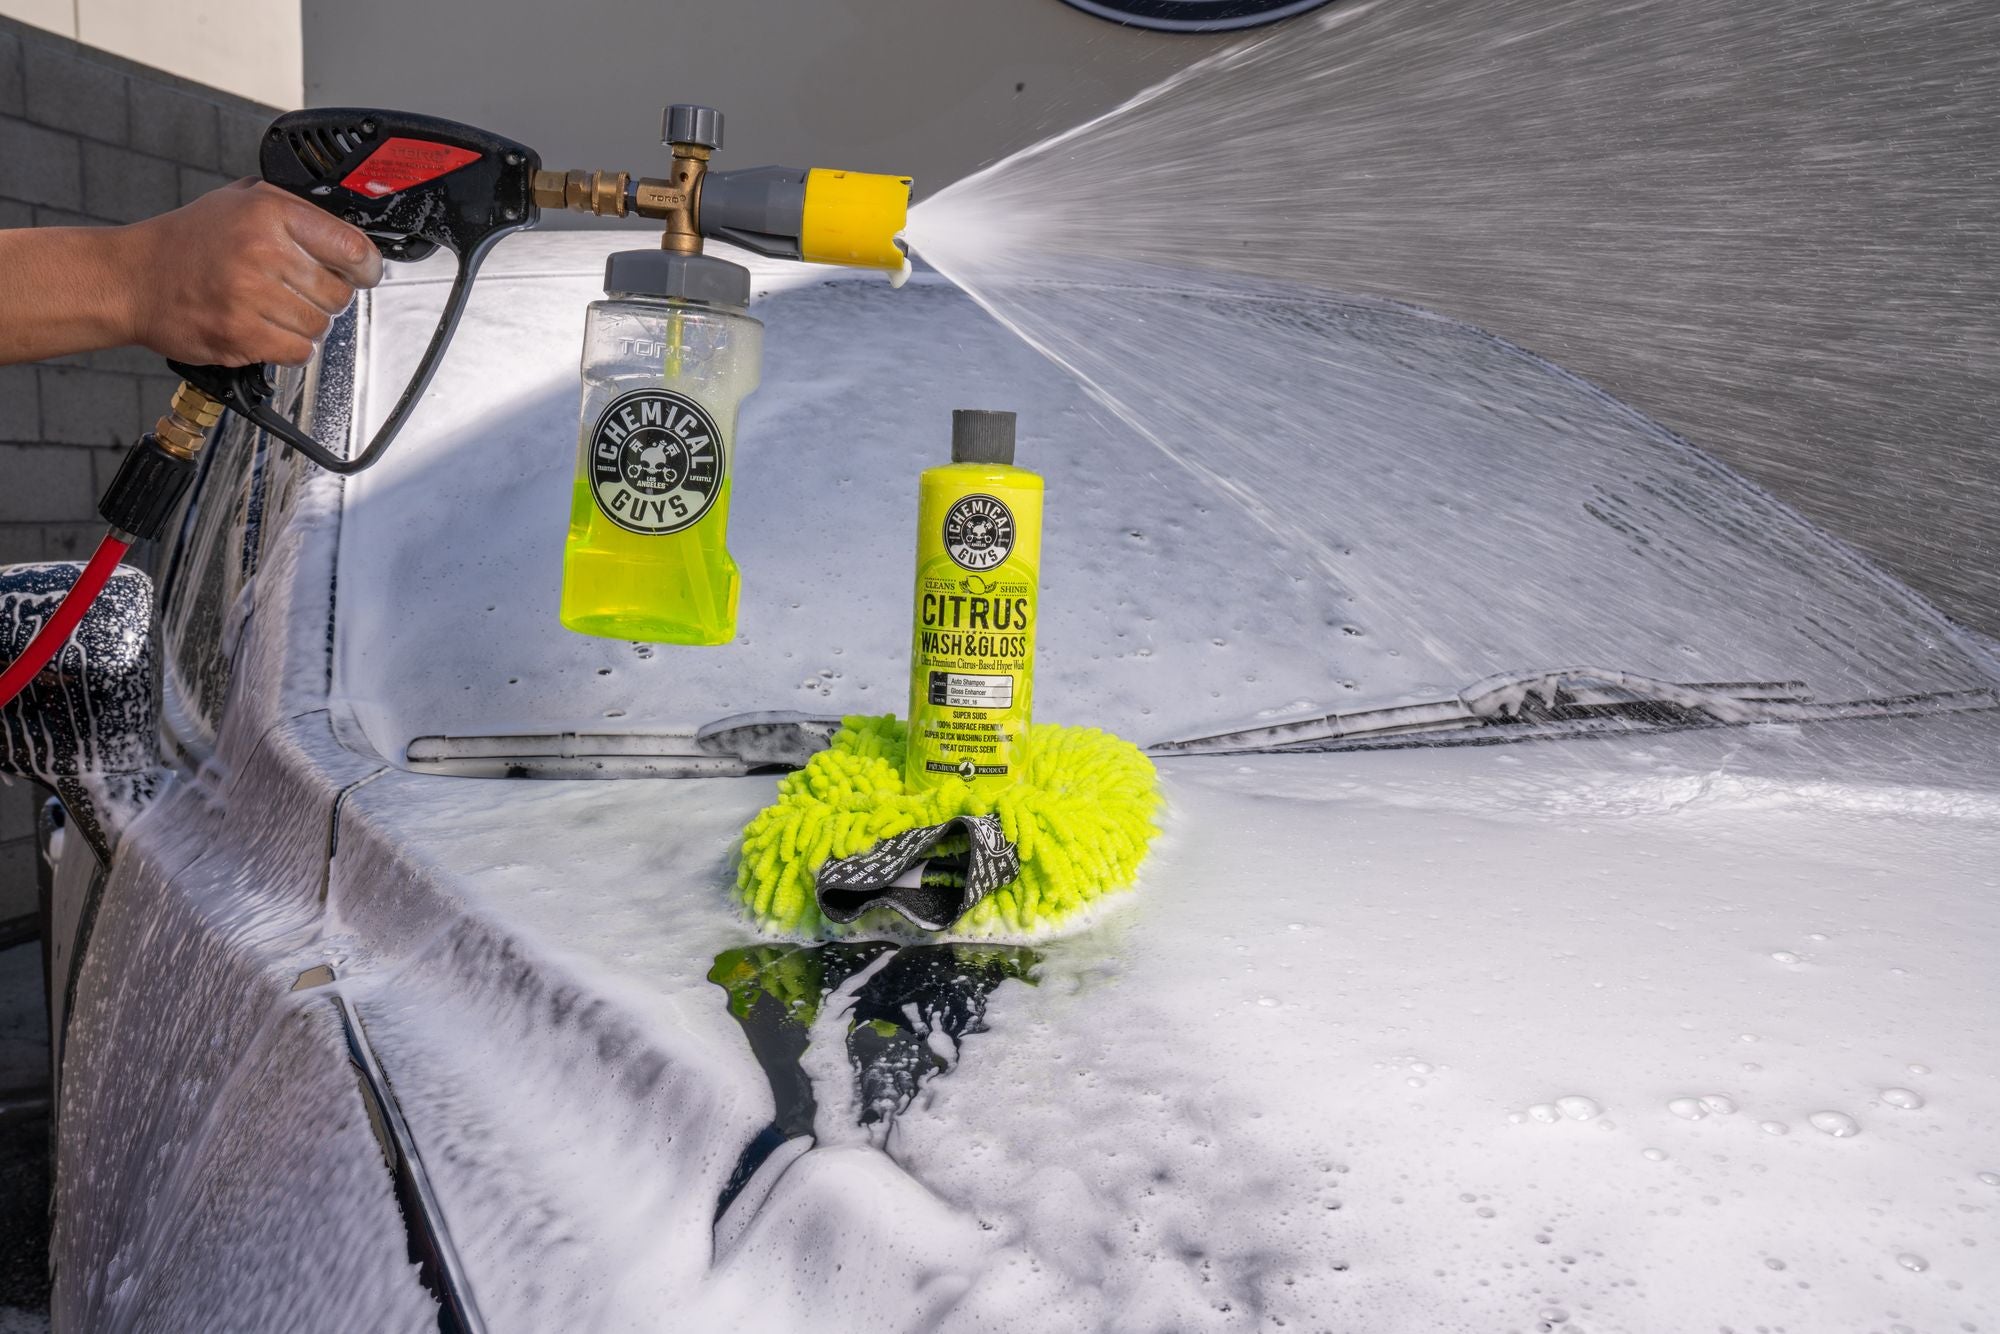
(906, 1023)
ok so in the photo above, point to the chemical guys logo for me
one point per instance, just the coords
(978, 532)
(655, 461)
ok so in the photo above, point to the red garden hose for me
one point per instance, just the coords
(49, 640)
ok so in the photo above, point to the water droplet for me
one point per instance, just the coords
(1990, 1178)
(1837, 1124)
(1653, 1155)
(1907, 1099)
(1577, 1107)
(1784, 956)
(1420, 1067)
(1690, 1109)
(1545, 1112)
(1268, 1002)
(1916, 1264)
(1774, 1264)
(1918, 1069)
(1774, 1127)
(1718, 1104)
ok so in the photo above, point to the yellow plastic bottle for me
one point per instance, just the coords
(972, 651)
(667, 360)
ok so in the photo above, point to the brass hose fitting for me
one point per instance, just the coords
(679, 201)
(184, 429)
(603, 193)
(693, 133)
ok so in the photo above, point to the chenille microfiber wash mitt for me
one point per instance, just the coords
(1021, 863)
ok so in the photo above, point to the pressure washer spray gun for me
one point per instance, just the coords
(667, 357)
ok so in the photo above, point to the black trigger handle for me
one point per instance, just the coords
(413, 183)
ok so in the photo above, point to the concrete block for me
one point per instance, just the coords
(20, 543)
(195, 184)
(45, 482)
(242, 138)
(13, 99)
(43, 167)
(62, 217)
(125, 186)
(71, 541)
(104, 463)
(72, 93)
(169, 123)
(131, 360)
(20, 404)
(156, 390)
(14, 213)
(88, 408)
(122, 186)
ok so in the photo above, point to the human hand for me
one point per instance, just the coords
(244, 274)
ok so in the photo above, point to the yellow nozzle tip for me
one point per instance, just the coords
(853, 218)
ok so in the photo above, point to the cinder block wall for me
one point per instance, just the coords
(88, 139)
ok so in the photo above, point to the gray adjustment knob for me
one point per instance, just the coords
(686, 123)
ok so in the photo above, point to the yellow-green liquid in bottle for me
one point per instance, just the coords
(647, 556)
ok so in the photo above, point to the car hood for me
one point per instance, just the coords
(1428, 1039)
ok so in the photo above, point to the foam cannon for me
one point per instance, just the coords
(415, 184)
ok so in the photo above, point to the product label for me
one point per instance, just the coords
(656, 461)
(973, 638)
(978, 532)
(967, 690)
(401, 163)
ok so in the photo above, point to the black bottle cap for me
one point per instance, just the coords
(978, 436)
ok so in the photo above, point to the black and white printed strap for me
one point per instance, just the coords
(891, 874)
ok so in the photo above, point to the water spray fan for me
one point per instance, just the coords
(414, 184)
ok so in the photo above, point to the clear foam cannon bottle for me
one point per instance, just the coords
(972, 652)
(669, 356)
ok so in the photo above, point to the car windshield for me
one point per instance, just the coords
(1485, 512)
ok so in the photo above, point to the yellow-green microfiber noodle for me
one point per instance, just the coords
(1081, 822)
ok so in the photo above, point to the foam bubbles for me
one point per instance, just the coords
(1577, 1107)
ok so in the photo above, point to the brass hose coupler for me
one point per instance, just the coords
(603, 193)
(184, 430)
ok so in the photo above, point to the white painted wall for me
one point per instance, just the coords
(934, 88)
(248, 47)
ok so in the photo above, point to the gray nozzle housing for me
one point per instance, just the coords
(758, 208)
(686, 123)
(687, 277)
(978, 436)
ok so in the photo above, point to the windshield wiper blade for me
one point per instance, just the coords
(1564, 701)
(726, 748)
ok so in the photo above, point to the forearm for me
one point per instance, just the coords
(65, 290)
